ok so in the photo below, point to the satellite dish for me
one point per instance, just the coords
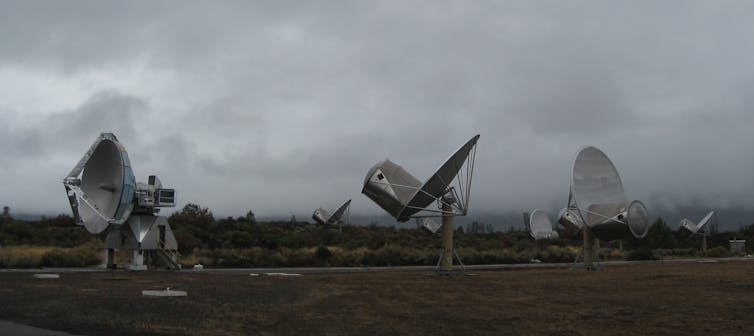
(324, 217)
(700, 228)
(597, 195)
(101, 186)
(105, 197)
(403, 196)
(597, 205)
(540, 226)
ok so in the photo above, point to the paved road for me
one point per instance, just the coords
(313, 270)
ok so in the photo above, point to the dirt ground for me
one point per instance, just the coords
(641, 299)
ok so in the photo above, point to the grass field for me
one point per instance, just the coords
(638, 299)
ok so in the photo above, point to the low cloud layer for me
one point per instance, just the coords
(282, 108)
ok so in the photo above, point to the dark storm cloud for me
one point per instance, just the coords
(282, 107)
(67, 130)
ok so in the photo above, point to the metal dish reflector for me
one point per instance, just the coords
(104, 192)
(638, 219)
(323, 216)
(540, 226)
(437, 185)
(597, 193)
(597, 188)
(700, 228)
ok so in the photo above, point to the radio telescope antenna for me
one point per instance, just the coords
(597, 204)
(105, 198)
(540, 226)
(701, 229)
(322, 216)
(403, 196)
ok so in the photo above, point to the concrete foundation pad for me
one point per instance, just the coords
(163, 293)
(47, 276)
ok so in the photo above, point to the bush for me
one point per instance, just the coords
(642, 253)
(21, 256)
(322, 255)
(717, 252)
(81, 256)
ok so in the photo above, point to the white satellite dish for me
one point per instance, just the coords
(597, 194)
(101, 194)
(403, 196)
(105, 198)
(700, 229)
(324, 217)
(540, 226)
(597, 203)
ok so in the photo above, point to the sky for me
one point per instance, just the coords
(282, 107)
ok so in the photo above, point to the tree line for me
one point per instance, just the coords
(245, 242)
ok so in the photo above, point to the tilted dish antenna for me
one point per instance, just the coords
(101, 186)
(105, 198)
(540, 226)
(597, 203)
(324, 217)
(700, 229)
(403, 196)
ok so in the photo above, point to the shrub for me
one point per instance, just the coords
(84, 255)
(21, 256)
(642, 253)
(717, 252)
(323, 253)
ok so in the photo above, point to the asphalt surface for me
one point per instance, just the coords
(313, 270)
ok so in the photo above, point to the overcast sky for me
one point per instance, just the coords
(282, 107)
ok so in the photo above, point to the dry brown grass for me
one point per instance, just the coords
(22, 256)
(644, 299)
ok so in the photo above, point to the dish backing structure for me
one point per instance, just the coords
(106, 199)
(404, 196)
